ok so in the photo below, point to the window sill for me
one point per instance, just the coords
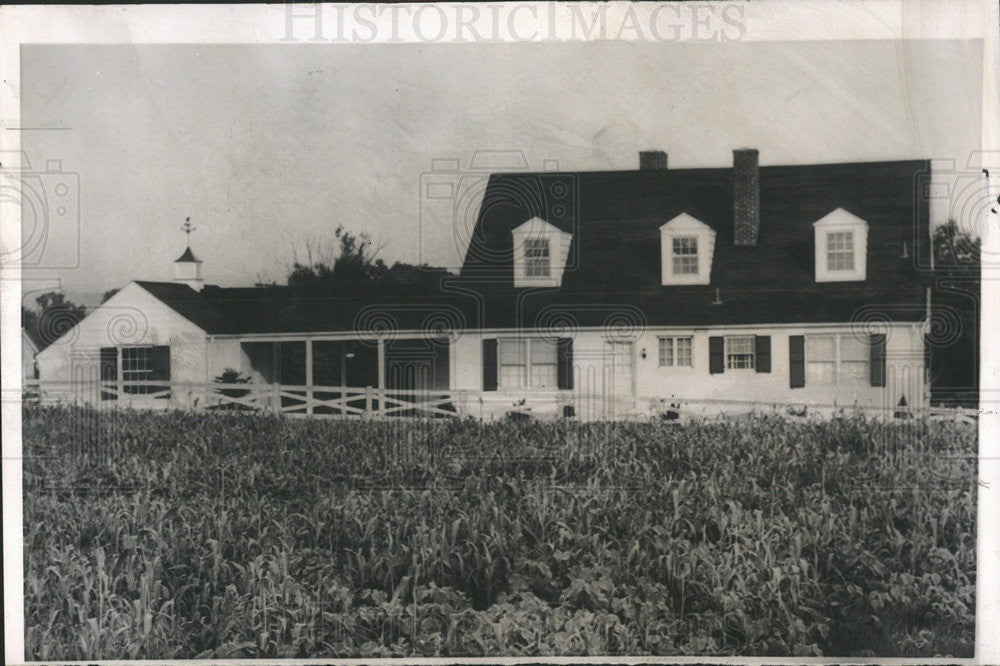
(677, 280)
(530, 389)
(523, 282)
(840, 276)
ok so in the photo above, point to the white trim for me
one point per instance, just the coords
(753, 352)
(837, 360)
(541, 332)
(527, 364)
(841, 221)
(674, 367)
(559, 241)
(686, 226)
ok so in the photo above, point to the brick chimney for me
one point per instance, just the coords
(652, 159)
(746, 197)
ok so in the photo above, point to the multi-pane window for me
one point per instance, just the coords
(137, 366)
(685, 255)
(836, 359)
(528, 363)
(855, 359)
(840, 251)
(675, 352)
(821, 359)
(536, 257)
(133, 364)
(544, 364)
(740, 352)
(513, 363)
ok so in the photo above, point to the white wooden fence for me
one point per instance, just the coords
(370, 402)
(278, 398)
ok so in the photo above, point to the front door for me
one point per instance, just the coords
(620, 387)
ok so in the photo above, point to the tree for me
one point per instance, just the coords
(953, 333)
(955, 248)
(353, 268)
(108, 294)
(54, 316)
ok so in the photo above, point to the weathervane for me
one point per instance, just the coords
(188, 228)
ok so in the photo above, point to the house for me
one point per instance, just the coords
(597, 294)
(29, 349)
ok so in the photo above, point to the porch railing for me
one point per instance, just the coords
(373, 402)
(292, 399)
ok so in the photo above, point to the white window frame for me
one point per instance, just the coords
(534, 230)
(683, 227)
(691, 241)
(839, 378)
(727, 352)
(834, 255)
(527, 363)
(534, 262)
(146, 359)
(841, 222)
(663, 342)
(134, 375)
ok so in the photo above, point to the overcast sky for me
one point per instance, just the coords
(266, 147)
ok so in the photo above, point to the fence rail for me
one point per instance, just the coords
(371, 402)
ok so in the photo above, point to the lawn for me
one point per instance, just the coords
(178, 535)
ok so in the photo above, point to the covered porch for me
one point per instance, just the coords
(345, 374)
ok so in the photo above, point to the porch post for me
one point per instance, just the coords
(119, 375)
(309, 376)
(381, 364)
(381, 373)
(276, 377)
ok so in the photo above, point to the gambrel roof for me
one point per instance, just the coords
(615, 258)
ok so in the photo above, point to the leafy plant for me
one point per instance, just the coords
(174, 535)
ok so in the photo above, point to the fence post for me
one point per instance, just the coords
(276, 398)
(368, 402)
(309, 377)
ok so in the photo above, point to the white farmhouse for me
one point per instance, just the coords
(594, 294)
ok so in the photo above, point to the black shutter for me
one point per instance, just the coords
(161, 363)
(716, 354)
(762, 352)
(442, 360)
(565, 363)
(490, 364)
(796, 361)
(109, 369)
(161, 370)
(878, 359)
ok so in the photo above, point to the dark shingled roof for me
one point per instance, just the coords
(188, 303)
(613, 276)
(614, 259)
(279, 309)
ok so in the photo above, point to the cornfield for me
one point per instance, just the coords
(176, 535)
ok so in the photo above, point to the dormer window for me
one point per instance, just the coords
(840, 251)
(540, 253)
(686, 249)
(841, 247)
(536, 257)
